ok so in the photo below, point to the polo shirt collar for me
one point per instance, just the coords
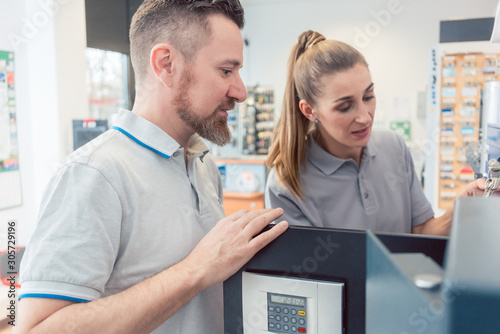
(197, 147)
(328, 163)
(150, 136)
(370, 149)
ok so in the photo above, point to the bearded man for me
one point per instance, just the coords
(132, 235)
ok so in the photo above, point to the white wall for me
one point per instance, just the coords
(48, 38)
(395, 36)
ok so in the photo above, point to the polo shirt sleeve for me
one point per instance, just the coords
(76, 241)
(421, 209)
(278, 196)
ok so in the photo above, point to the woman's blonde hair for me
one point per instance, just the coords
(312, 57)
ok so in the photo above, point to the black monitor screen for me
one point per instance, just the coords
(86, 130)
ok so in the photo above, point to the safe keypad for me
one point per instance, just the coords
(286, 319)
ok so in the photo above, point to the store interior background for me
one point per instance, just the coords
(51, 68)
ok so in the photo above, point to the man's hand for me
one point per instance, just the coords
(233, 241)
(224, 250)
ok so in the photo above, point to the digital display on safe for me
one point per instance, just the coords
(286, 313)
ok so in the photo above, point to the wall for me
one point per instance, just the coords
(395, 36)
(48, 38)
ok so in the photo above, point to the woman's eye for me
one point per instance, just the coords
(344, 108)
(369, 95)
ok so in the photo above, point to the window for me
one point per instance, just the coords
(107, 83)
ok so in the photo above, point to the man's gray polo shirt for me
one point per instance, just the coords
(121, 209)
(382, 195)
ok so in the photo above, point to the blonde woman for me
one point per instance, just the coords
(328, 169)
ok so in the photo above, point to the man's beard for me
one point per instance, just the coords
(214, 127)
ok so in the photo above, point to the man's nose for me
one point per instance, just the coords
(237, 90)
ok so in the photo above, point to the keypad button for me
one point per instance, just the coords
(285, 310)
(278, 326)
(278, 318)
(302, 321)
(277, 309)
(294, 329)
(293, 320)
(286, 327)
(271, 325)
(271, 308)
(294, 311)
(285, 319)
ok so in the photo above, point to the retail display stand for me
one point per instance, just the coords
(462, 79)
(244, 183)
(258, 120)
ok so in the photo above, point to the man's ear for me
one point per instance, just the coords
(307, 110)
(163, 63)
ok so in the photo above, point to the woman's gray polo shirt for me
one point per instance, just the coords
(121, 209)
(382, 195)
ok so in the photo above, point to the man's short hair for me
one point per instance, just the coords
(182, 23)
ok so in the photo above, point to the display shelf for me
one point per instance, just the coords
(258, 120)
(462, 79)
(234, 201)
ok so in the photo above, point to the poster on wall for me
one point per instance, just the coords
(10, 177)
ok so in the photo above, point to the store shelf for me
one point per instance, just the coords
(234, 201)
(246, 160)
(240, 195)
(462, 79)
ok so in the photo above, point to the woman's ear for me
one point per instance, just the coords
(307, 110)
(162, 59)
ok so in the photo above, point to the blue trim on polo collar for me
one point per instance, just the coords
(140, 142)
